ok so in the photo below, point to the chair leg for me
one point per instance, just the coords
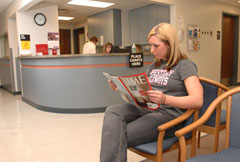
(179, 154)
(193, 150)
(216, 139)
(198, 139)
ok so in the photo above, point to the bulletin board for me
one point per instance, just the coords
(193, 35)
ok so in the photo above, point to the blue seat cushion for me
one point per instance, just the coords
(231, 154)
(151, 147)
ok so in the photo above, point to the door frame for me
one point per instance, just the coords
(235, 48)
(76, 39)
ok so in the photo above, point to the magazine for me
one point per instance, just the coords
(133, 89)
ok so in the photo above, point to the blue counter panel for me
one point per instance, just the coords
(73, 85)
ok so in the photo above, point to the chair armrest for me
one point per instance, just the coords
(200, 121)
(162, 128)
(176, 121)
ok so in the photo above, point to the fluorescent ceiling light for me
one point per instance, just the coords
(65, 18)
(91, 3)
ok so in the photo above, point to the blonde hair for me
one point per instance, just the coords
(167, 34)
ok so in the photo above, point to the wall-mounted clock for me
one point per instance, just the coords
(40, 19)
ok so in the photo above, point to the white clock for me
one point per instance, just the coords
(40, 19)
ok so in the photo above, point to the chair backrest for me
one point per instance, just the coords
(234, 140)
(212, 90)
(210, 93)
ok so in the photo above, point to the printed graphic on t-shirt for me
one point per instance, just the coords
(160, 76)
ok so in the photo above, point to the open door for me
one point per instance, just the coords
(229, 50)
(65, 43)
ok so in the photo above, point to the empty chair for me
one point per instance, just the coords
(216, 122)
(231, 153)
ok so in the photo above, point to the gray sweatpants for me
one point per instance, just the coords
(126, 125)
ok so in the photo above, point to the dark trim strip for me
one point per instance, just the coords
(17, 93)
(14, 93)
(64, 111)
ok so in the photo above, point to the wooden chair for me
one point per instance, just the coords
(154, 150)
(231, 153)
(216, 122)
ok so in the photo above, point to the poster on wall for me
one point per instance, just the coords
(193, 43)
(53, 43)
(180, 35)
(25, 41)
(180, 22)
(180, 28)
(25, 44)
(193, 32)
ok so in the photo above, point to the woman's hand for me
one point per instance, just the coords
(156, 96)
(112, 85)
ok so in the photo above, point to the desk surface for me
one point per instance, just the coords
(76, 55)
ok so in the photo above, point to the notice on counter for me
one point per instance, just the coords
(41, 49)
(135, 60)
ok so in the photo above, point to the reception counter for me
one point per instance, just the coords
(74, 83)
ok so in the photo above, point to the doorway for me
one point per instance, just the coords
(65, 41)
(229, 57)
(79, 40)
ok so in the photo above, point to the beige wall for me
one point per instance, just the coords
(17, 19)
(204, 13)
(208, 16)
(38, 34)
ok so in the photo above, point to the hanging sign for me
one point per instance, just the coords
(135, 60)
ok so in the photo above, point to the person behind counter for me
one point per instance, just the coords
(107, 48)
(176, 88)
(138, 48)
(90, 47)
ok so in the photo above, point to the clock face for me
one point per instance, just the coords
(40, 19)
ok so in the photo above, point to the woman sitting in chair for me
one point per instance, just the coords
(176, 87)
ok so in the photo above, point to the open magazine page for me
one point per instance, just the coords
(133, 89)
(137, 86)
(124, 93)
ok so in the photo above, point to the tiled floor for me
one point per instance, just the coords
(31, 135)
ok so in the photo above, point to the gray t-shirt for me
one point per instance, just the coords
(172, 82)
